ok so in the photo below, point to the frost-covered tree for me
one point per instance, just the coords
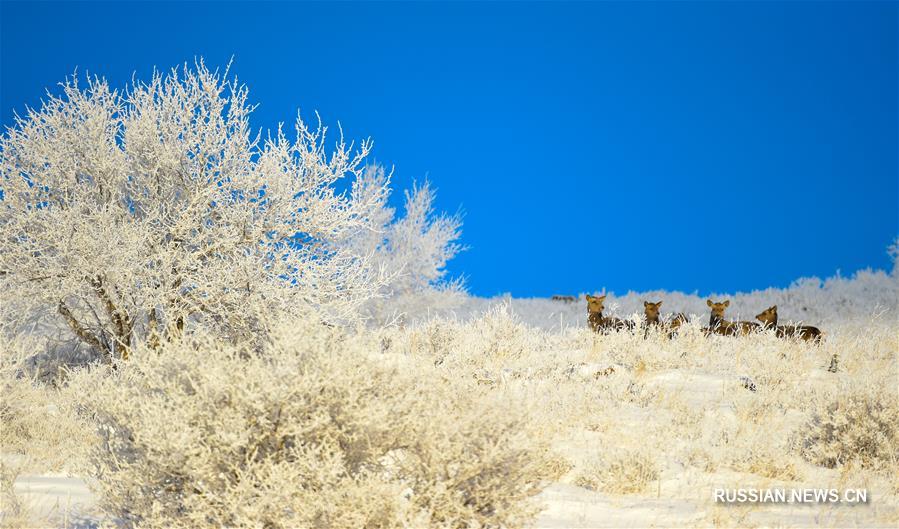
(130, 215)
(413, 249)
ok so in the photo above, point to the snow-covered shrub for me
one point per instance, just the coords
(754, 451)
(860, 425)
(130, 215)
(413, 249)
(319, 429)
(620, 470)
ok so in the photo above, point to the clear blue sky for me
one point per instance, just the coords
(691, 146)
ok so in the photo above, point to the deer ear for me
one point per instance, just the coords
(708, 302)
(659, 304)
(727, 303)
(645, 303)
(601, 297)
(774, 308)
(587, 297)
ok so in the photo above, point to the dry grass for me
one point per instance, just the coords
(620, 471)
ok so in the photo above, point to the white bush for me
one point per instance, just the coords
(860, 425)
(316, 430)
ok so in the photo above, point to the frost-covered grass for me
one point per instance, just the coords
(487, 418)
(674, 419)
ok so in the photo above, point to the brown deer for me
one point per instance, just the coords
(768, 317)
(718, 325)
(652, 313)
(599, 323)
(679, 319)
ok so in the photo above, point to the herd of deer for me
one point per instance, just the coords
(717, 323)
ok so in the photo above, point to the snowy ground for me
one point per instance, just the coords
(63, 500)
